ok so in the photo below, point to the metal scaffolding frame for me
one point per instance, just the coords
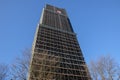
(56, 51)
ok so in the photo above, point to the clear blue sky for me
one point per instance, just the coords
(96, 23)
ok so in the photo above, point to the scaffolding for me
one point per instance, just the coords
(57, 56)
(56, 52)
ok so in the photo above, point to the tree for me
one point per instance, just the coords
(93, 70)
(3, 71)
(118, 72)
(105, 68)
(19, 69)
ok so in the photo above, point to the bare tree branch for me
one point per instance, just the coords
(93, 70)
(3, 71)
(19, 69)
(104, 68)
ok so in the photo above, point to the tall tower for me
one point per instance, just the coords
(56, 54)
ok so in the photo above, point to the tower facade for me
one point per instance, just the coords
(56, 54)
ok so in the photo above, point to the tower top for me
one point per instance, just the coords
(56, 9)
(54, 17)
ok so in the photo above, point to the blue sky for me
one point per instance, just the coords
(96, 23)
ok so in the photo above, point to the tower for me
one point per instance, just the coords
(56, 54)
